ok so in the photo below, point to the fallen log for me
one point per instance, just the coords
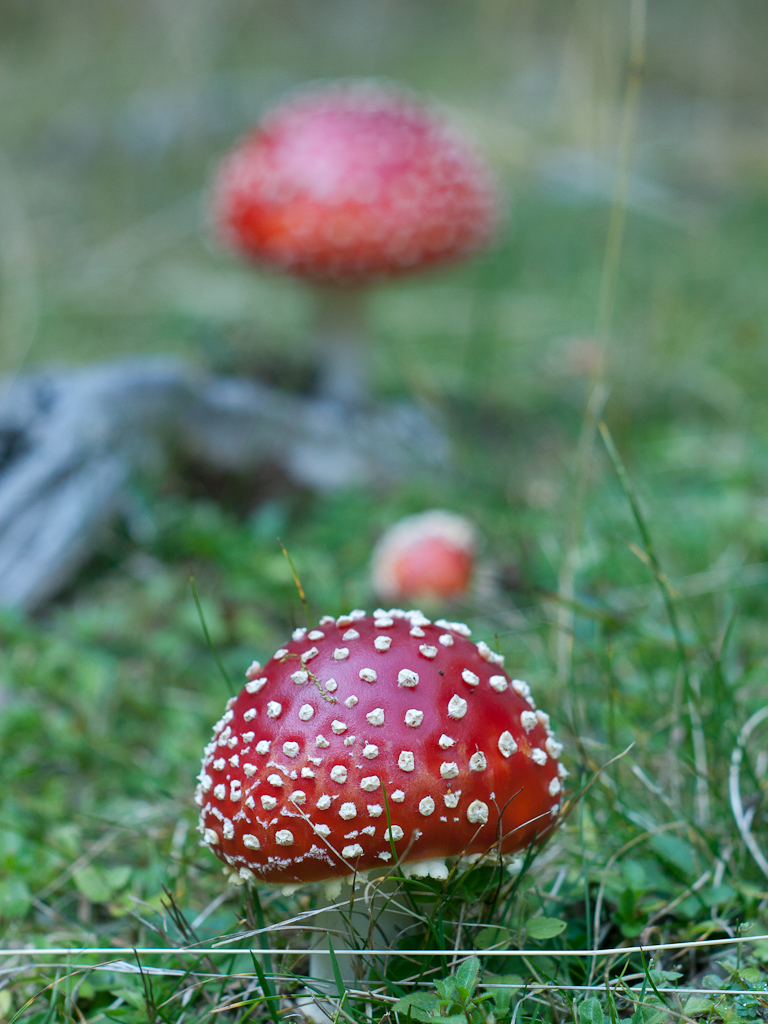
(71, 440)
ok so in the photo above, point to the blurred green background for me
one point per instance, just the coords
(112, 116)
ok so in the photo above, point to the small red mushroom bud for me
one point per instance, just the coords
(429, 556)
(374, 733)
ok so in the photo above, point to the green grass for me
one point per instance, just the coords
(107, 698)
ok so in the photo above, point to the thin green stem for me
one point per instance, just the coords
(208, 640)
(297, 581)
(604, 319)
(649, 549)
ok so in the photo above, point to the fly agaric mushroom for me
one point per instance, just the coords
(430, 555)
(371, 740)
(349, 184)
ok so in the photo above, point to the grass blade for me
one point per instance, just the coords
(208, 640)
(297, 581)
(336, 971)
(267, 987)
(650, 550)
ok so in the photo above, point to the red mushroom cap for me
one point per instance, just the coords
(353, 182)
(368, 713)
(427, 555)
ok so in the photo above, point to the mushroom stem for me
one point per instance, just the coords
(341, 341)
(349, 929)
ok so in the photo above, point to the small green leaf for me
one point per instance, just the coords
(634, 873)
(14, 898)
(713, 981)
(494, 980)
(502, 1001)
(662, 977)
(93, 884)
(118, 877)
(420, 1005)
(629, 931)
(697, 1004)
(651, 1015)
(503, 996)
(675, 853)
(499, 938)
(424, 1000)
(718, 894)
(445, 988)
(590, 1011)
(544, 927)
(466, 975)
(132, 996)
(750, 975)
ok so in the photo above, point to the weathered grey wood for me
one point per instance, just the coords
(72, 438)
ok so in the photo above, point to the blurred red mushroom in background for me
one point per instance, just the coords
(348, 184)
(430, 556)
